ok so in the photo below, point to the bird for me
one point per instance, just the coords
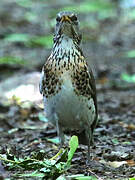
(67, 82)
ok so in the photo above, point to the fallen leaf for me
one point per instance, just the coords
(116, 164)
(103, 80)
(128, 126)
(131, 162)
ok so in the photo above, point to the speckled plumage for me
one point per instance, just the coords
(67, 84)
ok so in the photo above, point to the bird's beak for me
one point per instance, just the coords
(65, 18)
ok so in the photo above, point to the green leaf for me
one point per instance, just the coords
(41, 41)
(31, 16)
(12, 60)
(45, 170)
(61, 178)
(18, 38)
(130, 54)
(73, 144)
(82, 177)
(13, 130)
(128, 78)
(46, 167)
(54, 140)
(90, 6)
(33, 174)
(131, 14)
(86, 178)
(132, 178)
(24, 3)
(35, 41)
(42, 117)
(115, 141)
(127, 142)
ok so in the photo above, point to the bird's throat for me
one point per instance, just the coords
(66, 50)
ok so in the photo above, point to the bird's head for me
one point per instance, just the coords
(67, 25)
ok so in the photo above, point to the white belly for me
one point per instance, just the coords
(72, 110)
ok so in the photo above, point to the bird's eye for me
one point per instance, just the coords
(73, 18)
(58, 19)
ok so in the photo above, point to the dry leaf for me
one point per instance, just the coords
(116, 164)
(131, 162)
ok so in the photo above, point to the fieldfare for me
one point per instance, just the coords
(67, 82)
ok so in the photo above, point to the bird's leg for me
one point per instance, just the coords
(59, 131)
(90, 139)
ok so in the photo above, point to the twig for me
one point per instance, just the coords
(99, 178)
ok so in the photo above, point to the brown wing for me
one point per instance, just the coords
(94, 95)
(85, 85)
